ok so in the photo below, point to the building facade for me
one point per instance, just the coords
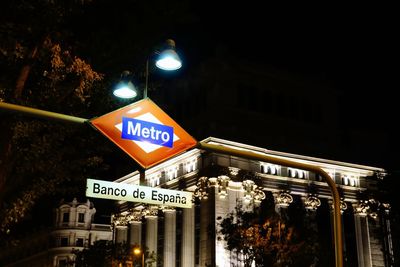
(191, 237)
(74, 229)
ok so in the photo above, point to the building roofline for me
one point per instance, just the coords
(300, 158)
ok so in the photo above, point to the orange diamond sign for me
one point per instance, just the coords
(144, 132)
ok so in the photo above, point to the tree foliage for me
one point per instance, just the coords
(104, 253)
(269, 238)
(50, 54)
(41, 68)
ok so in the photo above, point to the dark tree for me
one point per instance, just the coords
(269, 237)
(103, 253)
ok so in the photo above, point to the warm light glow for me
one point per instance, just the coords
(137, 251)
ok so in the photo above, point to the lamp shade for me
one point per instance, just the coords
(169, 59)
(125, 89)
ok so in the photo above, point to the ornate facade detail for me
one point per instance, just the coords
(121, 219)
(190, 164)
(233, 171)
(212, 182)
(386, 207)
(297, 173)
(171, 172)
(374, 207)
(167, 208)
(258, 196)
(150, 211)
(361, 208)
(201, 190)
(380, 175)
(154, 179)
(223, 182)
(252, 192)
(343, 205)
(136, 216)
(350, 180)
(312, 202)
(248, 187)
(283, 199)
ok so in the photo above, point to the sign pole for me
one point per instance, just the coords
(41, 113)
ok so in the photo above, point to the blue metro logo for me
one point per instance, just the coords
(144, 131)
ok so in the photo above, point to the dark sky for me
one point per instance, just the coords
(349, 47)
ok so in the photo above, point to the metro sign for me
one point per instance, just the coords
(144, 132)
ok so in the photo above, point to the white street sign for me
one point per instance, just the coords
(136, 193)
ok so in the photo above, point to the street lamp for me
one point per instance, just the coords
(167, 60)
(137, 251)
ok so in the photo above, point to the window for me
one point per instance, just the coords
(81, 217)
(79, 242)
(65, 217)
(64, 241)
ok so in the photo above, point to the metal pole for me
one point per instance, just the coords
(337, 224)
(41, 113)
(147, 79)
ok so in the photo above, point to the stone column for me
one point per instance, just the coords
(389, 259)
(362, 234)
(121, 233)
(221, 210)
(135, 237)
(207, 225)
(188, 238)
(120, 223)
(169, 237)
(311, 204)
(151, 234)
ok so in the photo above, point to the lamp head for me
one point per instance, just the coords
(168, 59)
(125, 88)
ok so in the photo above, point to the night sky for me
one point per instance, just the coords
(349, 48)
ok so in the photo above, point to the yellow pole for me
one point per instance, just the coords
(337, 222)
(41, 113)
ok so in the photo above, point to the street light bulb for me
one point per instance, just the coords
(169, 60)
(125, 90)
(137, 251)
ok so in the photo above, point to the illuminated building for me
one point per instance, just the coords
(190, 237)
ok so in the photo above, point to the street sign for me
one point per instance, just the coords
(136, 193)
(144, 132)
